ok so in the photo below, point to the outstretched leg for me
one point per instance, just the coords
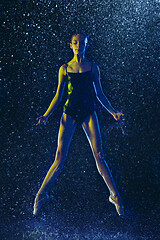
(91, 128)
(66, 130)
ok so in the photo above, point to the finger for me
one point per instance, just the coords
(118, 117)
(39, 122)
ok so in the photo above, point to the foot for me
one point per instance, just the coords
(118, 204)
(39, 200)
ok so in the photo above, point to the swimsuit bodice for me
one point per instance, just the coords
(80, 93)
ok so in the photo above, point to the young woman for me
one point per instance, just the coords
(83, 78)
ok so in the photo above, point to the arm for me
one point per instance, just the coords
(100, 95)
(57, 98)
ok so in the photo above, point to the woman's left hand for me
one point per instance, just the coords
(117, 116)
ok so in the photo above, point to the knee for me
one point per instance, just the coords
(61, 150)
(58, 162)
(100, 162)
(99, 156)
(60, 155)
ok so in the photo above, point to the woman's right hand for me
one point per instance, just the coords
(41, 120)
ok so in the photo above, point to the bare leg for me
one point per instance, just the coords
(66, 130)
(91, 128)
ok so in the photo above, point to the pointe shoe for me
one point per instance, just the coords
(119, 207)
(38, 204)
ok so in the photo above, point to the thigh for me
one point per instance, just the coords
(92, 130)
(66, 130)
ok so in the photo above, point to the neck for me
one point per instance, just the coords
(79, 58)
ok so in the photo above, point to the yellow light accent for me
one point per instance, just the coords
(70, 88)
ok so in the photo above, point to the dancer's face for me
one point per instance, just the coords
(78, 44)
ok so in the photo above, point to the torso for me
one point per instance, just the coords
(80, 101)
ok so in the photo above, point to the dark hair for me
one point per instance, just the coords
(79, 32)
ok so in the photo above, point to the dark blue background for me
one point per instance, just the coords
(124, 42)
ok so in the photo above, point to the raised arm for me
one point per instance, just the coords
(100, 95)
(57, 98)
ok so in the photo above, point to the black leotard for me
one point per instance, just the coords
(80, 102)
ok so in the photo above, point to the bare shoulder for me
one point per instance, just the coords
(62, 69)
